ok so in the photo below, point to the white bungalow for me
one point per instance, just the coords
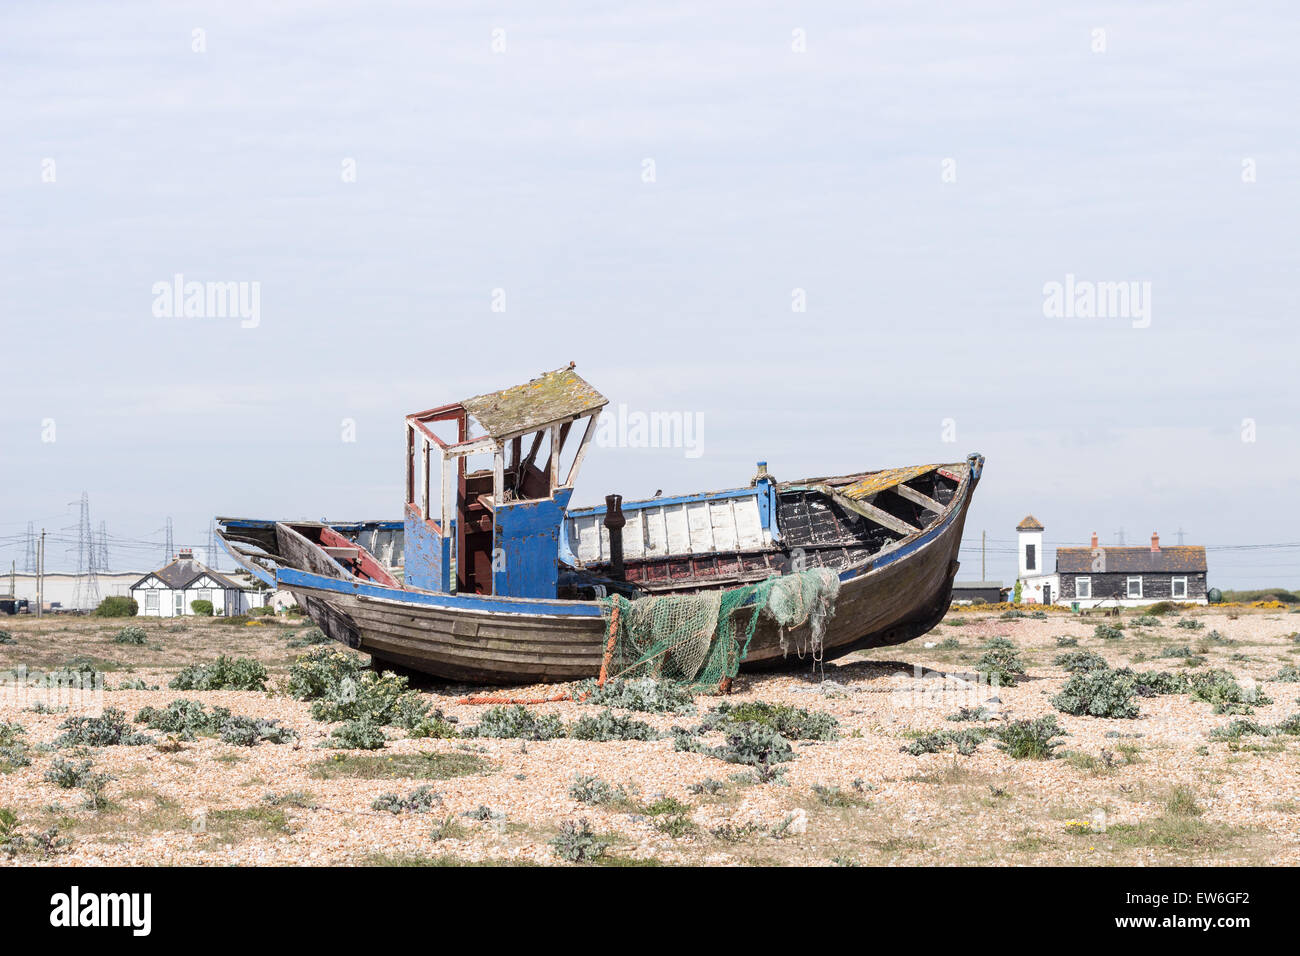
(169, 591)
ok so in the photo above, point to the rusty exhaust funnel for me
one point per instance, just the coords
(614, 522)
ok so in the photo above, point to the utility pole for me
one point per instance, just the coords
(40, 575)
(983, 572)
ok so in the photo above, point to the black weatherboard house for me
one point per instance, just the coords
(1131, 576)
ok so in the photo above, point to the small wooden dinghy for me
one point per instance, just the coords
(492, 578)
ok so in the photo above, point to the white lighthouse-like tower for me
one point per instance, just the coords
(1031, 547)
(1037, 583)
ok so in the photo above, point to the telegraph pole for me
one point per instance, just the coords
(983, 573)
(40, 575)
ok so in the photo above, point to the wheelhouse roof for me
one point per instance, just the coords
(552, 397)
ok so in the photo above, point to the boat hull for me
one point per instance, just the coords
(892, 598)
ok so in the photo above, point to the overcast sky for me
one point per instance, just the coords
(921, 171)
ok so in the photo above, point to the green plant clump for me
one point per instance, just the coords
(1001, 666)
(593, 790)
(749, 743)
(1030, 739)
(1220, 688)
(792, 723)
(644, 694)
(110, 729)
(117, 606)
(183, 718)
(421, 800)
(357, 735)
(309, 637)
(340, 687)
(225, 673)
(517, 722)
(13, 748)
(1076, 661)
(964, 742)
(1098, 693)
(609, 726)
(576, 843)
(251, 731)
(131, 635)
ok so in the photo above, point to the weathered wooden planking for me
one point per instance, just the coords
(674, 527)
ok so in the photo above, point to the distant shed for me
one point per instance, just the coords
(976, 592)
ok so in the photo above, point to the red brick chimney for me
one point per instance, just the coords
(1094, 540)
(1155, 541)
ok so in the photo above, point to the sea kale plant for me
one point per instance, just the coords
(225, 673)
(1030, 739)
(644, 694)
(793, 723)
(517, 722)
(609, 726)
(1098, 693)
(1076, 661)
(594, 791)
(421, 800)
(1001, 664)
(110, 729)
(341, 688)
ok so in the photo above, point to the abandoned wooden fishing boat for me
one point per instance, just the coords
(492, 578)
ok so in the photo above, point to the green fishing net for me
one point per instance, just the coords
(700, 639)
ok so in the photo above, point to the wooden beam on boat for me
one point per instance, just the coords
(917, 498)
(351, 554)
(879, 516)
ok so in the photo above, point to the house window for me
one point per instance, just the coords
(1083, 588)
(1178, 587)
(179, 603)
(1031, 563)
(1135, 586)
(205, 595)
(151, 600)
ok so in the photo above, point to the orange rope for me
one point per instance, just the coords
(600, 682)
(609, 646)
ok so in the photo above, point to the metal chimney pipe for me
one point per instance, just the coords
(614, 522)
